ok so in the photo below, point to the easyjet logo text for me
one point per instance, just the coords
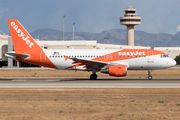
(22, 35)
(132, 53)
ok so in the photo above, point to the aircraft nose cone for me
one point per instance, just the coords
(173, 62)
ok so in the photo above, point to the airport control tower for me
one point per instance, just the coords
(130, 20)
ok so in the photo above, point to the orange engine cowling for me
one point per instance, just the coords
(115, 70)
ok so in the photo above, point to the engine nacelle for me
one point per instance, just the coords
(115, 70)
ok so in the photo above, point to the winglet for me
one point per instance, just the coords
(66, 57)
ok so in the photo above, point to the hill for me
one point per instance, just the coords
(117, 36)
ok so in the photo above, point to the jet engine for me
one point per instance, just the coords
(115, 70)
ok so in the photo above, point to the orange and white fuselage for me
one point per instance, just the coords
(114, 62)
(149, 59)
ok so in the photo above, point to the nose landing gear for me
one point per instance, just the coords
(149, 75)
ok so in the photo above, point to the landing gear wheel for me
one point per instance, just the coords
(93, 76)
(150, 77)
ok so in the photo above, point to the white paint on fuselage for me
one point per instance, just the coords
(137, 63)
(60, 63)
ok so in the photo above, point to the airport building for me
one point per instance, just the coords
(6, 45)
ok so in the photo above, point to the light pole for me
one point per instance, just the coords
(73, 30)
(63, 26)
(107, 38)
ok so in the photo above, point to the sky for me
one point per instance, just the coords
(93, 16)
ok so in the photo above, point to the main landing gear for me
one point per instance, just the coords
(149, 75)
(93, 76)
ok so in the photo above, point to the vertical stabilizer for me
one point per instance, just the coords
(22, 40)
(26, 49)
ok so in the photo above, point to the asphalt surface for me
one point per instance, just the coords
(86, 83)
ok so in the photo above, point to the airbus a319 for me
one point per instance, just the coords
(114, 62)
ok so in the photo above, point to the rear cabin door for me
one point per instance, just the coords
(42, 57)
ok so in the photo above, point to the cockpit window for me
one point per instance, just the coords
(164, 56)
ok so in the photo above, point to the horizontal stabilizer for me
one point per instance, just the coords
(13, 55)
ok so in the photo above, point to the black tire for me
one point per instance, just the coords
(93, 77)
(150, 77)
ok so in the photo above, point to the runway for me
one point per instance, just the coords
(86, 83)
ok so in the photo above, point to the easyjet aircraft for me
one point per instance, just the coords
(114, 62)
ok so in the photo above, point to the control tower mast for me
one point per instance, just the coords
(130, 20)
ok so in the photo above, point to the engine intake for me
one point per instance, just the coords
(115, 70)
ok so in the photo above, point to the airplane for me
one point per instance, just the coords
(114, 62)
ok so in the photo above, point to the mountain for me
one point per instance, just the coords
(116, 36)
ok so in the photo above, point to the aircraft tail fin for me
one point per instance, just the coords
(22, 40)
(26, 49)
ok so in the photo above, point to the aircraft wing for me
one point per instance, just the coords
(92, 63)
(13, 55)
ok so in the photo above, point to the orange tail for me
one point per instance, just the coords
(21, 38)
(24, 45)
